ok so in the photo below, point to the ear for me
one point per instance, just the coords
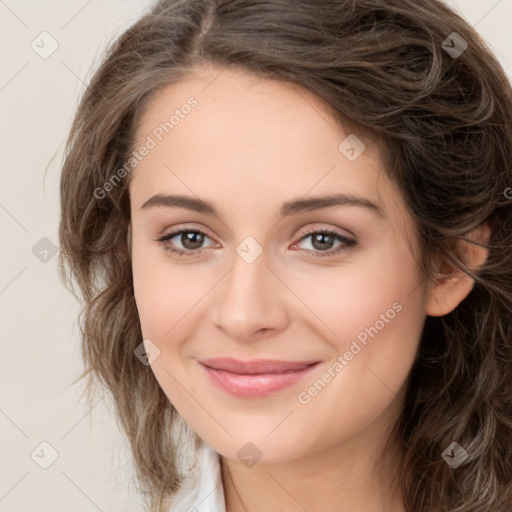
(445, 295)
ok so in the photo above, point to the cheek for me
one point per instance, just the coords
(377, 315)
(171, 299)
(168, 298)
(163, 292)
(378, 294)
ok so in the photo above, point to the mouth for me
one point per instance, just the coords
(256, 378)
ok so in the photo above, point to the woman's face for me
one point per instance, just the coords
(269, 268)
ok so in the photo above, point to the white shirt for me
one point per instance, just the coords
(201, 489)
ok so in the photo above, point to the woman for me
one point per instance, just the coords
(290, 227)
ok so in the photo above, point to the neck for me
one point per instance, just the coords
(355, 475)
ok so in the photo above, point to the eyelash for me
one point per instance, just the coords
(346, 242)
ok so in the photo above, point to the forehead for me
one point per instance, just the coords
(254, 136)
(235, 105)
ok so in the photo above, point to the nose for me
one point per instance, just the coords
(250, 301)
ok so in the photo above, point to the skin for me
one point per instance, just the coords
(250, 145)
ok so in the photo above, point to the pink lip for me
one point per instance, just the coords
(256, 378)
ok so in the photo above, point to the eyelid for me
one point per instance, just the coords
(322, 229)
(183, 227)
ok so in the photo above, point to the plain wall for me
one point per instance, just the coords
(40, 343)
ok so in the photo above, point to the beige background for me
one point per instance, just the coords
(40, 346)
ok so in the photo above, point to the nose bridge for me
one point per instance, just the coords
(249, 300)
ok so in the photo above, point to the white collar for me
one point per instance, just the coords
(201, 490)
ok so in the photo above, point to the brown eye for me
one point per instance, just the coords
(184, 241)
(192, 239)
(322, 242)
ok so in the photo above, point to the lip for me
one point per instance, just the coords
(255, 378)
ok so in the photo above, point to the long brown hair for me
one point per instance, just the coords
(443, 114)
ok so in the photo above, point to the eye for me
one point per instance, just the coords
(190, 240)
(322, 242)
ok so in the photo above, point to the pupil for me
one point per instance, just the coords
(322, 241)
(192, 240)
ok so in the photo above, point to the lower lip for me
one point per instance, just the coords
(256, 386)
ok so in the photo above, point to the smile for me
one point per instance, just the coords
(257, 378)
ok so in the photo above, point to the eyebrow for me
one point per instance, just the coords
(288, 208)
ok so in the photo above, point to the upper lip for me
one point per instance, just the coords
(255, 366)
